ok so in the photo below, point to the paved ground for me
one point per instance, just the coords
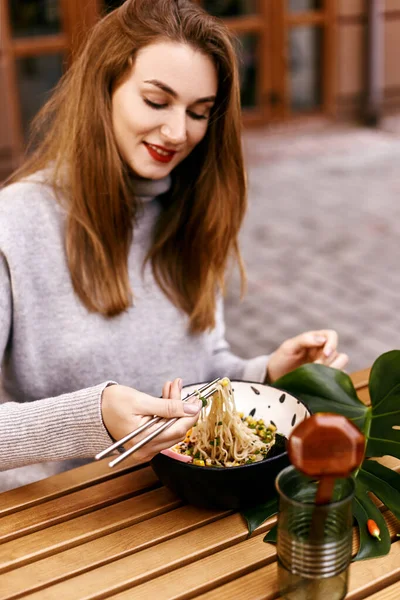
(321, 239)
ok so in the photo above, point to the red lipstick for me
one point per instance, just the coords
(165, 157)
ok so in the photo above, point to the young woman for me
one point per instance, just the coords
(115, 236)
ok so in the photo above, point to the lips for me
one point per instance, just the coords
(159, 153)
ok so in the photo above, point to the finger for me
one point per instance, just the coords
(176, 433)
(340, 362)
(166, 389)
(170, 408)
(326, 360)
(328, 338)
(331, 343)
(336, 360)
(175, 390)
(309, 339)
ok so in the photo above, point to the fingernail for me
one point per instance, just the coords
(328, 351)
(193, 408)
(319, 339)
(180, 384)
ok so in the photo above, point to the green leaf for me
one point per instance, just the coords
(271, 535)
(256, 515)
(383, 482)
(323, 389)
(364, 509)
(384, 389)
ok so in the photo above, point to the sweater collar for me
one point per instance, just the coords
(147, 189)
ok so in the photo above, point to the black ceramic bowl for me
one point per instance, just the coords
(247, 485)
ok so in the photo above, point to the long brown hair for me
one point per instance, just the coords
(197, 231)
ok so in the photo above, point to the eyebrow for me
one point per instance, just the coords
(165, 88)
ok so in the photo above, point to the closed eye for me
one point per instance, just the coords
(197, 117)
(154, 104)
(191, 114)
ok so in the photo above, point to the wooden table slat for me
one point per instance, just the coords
(93, 554)
(360, 381)
(207, 541)
(360, 378)
(82, 529)
(75, 504)
(61, 484)
(369, 576)
(261, 584)
(389, 461)
(101, 551)
(206, 574)
(364, 396)
(389, 593)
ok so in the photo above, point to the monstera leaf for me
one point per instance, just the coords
(323, 389)
(257, 515)
(385, 484)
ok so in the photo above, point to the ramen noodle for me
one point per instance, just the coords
(223, 437)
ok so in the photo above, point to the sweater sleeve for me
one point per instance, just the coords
(63, 427)
(226, 364)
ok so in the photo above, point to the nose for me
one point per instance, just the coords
(174, 128)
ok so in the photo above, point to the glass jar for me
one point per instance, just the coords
(314, 541)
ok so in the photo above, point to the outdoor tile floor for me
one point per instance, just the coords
(321, 240)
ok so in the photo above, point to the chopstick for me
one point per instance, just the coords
(152, 435)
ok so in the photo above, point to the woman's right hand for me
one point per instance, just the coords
(125, 409)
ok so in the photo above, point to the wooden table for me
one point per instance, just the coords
(100, 533)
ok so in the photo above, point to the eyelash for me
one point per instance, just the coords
(161, 106)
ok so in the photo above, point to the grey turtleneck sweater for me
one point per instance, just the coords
(56, 357)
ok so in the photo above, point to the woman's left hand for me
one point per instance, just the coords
(309, 347)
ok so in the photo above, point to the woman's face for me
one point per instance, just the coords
(160, 110)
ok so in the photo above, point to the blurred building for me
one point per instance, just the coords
(299, 58)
